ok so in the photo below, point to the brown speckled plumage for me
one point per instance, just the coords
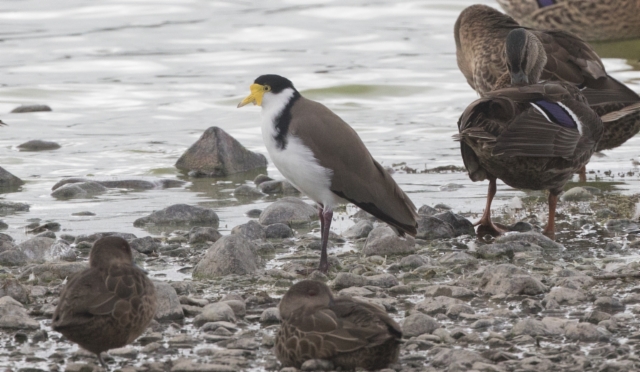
(350, 333)
(589, 19)
(480, 34)
(108, 305)
(504, 136)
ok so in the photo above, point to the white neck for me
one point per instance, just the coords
(273, 104)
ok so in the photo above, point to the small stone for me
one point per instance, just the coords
(254, 213)
(609, 304)
(507, 279)
(218, 154)
(437, 305)
(460, 225)
(346, 280)
(200, 234)
(566, 296)
(270, 316)
(146, 245)
(586, 332)
(247, 192)
(30, 108)
(417, 324)
(622, 225)
(38, 145)
(238, 306)
(317, 365)
(79, 190)
(448, 290)
(361, 229)
(383, 241)
(231, 254)
(288, 210)
(278, 231)
(531, 327)
(577, 194)
(271, 187)
(216, 312)
(430, 227)
(457, 258)
(261, 178)
(382, 280)
(13, 315)
(13, 257)
(180, 214)
(37, 249)
(168, 303)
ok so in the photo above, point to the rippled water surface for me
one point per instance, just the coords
(133, 84)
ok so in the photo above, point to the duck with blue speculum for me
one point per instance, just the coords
(324, 157)
(530, 136)
(480, 33)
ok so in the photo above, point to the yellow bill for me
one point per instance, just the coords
(257, 91)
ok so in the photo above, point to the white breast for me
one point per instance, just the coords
(296, 162)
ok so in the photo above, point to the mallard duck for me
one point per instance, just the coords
(324, 157)
(108, 305)
(590, 19)
(350, 333)
(531, 136)
(480, 34)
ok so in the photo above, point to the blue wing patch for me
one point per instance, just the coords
(543, 3)
(556, 113)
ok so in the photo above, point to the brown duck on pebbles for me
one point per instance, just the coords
(349, 333)
(108, 305)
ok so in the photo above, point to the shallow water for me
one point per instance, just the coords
(132, 84)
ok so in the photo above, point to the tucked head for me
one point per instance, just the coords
(108, 250)
(305, 293)
(265, 86)
(526, 57)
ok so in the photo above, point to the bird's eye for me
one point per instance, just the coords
(267, 88)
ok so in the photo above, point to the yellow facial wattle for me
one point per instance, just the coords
(257, 91)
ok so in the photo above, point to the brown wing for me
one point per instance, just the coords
(357, 177)
(121, 293)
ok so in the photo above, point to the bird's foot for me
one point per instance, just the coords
(490, 229)
(549, 233)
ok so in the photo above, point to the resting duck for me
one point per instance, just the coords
(109, 304)
(480, 34)
(590, 19)
(529, 136)
(349, 333)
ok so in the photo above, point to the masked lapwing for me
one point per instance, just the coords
(324, 157)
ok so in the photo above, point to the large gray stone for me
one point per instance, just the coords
(13, 257)
(13, 288)
(510, 280)
(37, 248)
(181, 214)
(87, 189)
(14, 316)
(418, 324)
(9, 180)
(217, 154)
(531, 327)
(146, 245)
(460, 225)
(566, 296)
(251, 230)
(361, 229)
(290, 211)
(536, 238)
(168, 303)
(430, 227)
(383, 241)
(38, 145)
(232, 254)
(216, 312)
(586, 332)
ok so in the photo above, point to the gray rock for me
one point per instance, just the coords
(91, 238)
(251, 230)
(37, 248)
(430, 227)
(361, 229)
(218, 154)
(455, 311)
(566, 296)
(511, 280)
(383, 241)
(60, 250)
(317, 365)
(426, 210)
(460, 225)
(418, 324)
(346, 280)
(413, 261)
(14, 316)
(14, 289)
(9, 180)
(577, 194)
(237, 305)
(216, 312)
(232, 254)
(381, 280)
(30, 108)
(58, 270)
(7, 207)
(270, 316)
(132, 184)
(448, 290)
(290, 211)
(261, 178)
(521, 226)
(531, 327)
(609, 304)
(622, 225)
(437, 305)
(38, 145)
(201, 234)
(6, 242)
(253, 213)
(79, 190)
(180, 214)
(13, 257)
(492, 251)
(457, 258)
(247, 192)
(168, 303)
(456, 360)
(586, 332)
(146, 245)
(279, 231)
(271, 187)
(536, 238)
